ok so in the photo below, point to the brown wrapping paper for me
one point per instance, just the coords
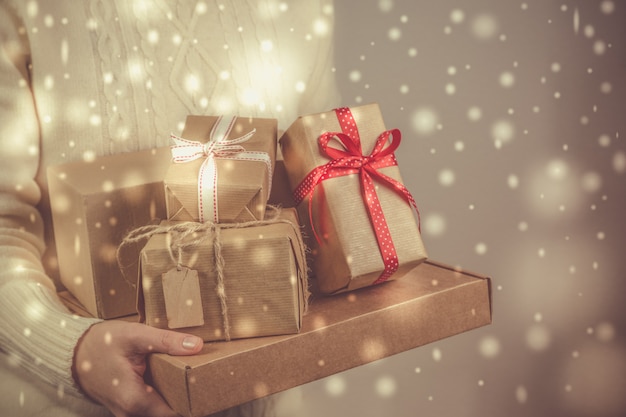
(243, 186)
(264, 278)
(94, 204)
(348, 257)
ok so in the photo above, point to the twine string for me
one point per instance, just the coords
(180, 236)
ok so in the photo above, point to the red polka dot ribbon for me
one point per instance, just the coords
(350, 160)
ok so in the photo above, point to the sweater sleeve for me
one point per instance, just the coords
(36, 330)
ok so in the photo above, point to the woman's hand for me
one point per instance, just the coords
(110, 361)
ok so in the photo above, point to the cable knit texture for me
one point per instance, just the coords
(97, 77)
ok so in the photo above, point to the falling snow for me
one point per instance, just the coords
(512, 144)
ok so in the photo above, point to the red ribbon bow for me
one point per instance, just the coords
(351, 160)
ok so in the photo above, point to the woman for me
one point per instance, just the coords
(96, 77)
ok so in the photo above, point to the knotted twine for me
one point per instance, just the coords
(178, 234)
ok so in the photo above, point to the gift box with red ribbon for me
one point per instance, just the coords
(221, 169)
(361, 222)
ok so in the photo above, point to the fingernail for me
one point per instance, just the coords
(190, 342)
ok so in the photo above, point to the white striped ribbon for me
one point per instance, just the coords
(218, 147)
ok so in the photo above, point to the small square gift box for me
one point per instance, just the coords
(221, 169)
(362, 222)
(224, 281)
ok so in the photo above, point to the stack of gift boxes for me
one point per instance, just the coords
(185, 236)
(216, 236)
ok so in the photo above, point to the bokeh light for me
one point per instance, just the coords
(489, 347)
(457, 16)
(424, 121)
(538, 337)
(434, 224)
(485, 26)
(502, 132)
(386, 386)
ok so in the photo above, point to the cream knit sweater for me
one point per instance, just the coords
(85, 78)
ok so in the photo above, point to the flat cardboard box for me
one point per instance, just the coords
(432, 302)
(94, 204)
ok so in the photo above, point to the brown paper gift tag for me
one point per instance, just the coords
(183, 304)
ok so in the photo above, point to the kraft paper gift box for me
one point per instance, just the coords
(231, 181)
(225, 281)
(339, 332)
(94, 204)
(342, 220)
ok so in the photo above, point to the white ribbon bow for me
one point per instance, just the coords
(218, 147)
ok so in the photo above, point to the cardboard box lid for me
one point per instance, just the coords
(339, 332)
(113, 172)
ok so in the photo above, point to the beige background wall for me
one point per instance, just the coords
(513, 119)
